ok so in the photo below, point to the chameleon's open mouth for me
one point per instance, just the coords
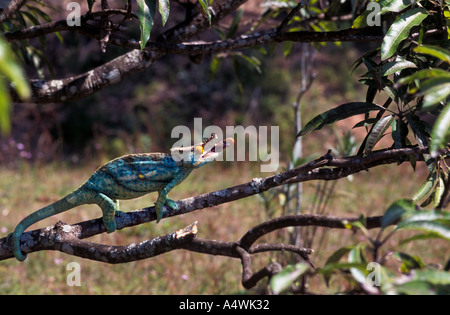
(218, 147)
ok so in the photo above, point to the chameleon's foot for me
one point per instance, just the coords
(110, 226)
(159, 212)
(159, 209)
(8, 239)
(172, 204)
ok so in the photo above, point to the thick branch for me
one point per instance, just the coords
(301, 220)
(65, 240)
(48, 91)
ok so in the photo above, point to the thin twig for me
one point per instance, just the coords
(282, 27)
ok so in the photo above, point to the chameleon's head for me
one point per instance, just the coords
(202, 153)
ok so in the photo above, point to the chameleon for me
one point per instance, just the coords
(128, 177)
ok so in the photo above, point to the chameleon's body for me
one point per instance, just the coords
(127, 177)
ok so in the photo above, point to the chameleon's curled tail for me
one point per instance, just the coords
(59, 206)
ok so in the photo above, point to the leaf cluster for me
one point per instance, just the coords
(411, 71)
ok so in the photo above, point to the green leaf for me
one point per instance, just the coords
(433, 276)
(164, 9)
(235, 24)
(283, 280)
(420, 129)
(421, 288)
(5, 108)
(393, 5)
(435, 51)
(396, 210)
(440, 134)
(360, 60)
(439, 192)
(146, 14)
(432, 221)
(361, 20)
(214, 67)
(385, 6)
(409, 262)
(365, 123)
(332, 261)
(426, 215)
(429, 184)
(338, 254)
(356, 256)
(399, 133)
(395, 66)
(287, 47)
(252, 61)
(400, 30)
(434, 90)
(391, 92)
(329, 268)
(338, 113)
(438, 228)
(205, 9)
(377, 132)
(90, 4)
(13, 71)
(424, 282)
(424, 74)
(423, 236)
(360, 225)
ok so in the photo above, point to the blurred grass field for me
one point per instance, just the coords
(180, 272)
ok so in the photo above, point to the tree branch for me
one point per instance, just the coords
(65, 240)
(282, 27)
(12, 7)
(82, 85)
(88, 83)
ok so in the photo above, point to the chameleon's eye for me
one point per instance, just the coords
(199, 149)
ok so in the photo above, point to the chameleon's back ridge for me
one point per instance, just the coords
(134, 175)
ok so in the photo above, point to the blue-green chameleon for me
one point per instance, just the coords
(127, 177)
